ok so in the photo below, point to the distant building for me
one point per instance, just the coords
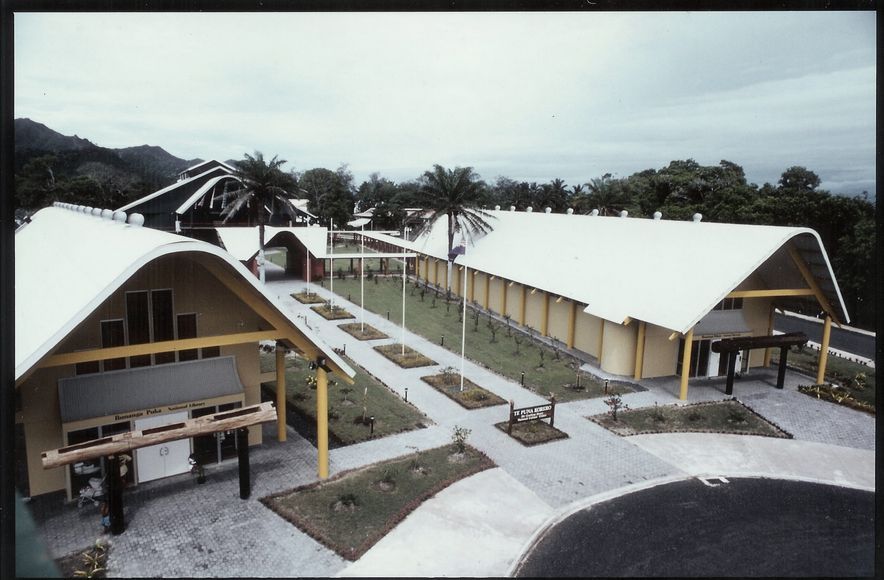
(121, 327)
(635, 293)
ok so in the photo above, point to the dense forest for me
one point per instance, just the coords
(54, 167)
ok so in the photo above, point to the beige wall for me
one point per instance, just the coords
(559, 315)
(534, 309)
(495, 301)
(218, 310)
(513, 301)
(756, 312)
(660, 352)
(586, 332)
(618, 348)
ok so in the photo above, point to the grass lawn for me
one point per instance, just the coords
(838, 371)
(472, 397)
(350, 512)
(534, 432)
(89, 562)
(710, 417)
(332, 313)
(276, 257)
(408, 360)
(345, 402)
(371, 264)
(499, 352)
(356, 330)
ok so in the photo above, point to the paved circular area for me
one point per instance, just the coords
(748, 527)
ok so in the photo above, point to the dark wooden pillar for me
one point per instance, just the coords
(115, 495)
(242, 443)
(781, 372)
(731, 363)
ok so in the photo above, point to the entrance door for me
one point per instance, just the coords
(164, 459)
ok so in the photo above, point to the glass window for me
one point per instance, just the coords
(163, 323)
(211, 351)
(88, 367)
(112, 335)
(187, 329)
(138, 324)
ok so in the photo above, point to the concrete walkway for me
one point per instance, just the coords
(480, 526)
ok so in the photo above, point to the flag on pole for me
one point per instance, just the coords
(458, 250)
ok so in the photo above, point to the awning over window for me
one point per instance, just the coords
(722, 323)
(116, 392)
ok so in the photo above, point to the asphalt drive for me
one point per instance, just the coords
(747, 527)
(853, 342)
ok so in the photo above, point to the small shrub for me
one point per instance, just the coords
(615, 403)
(449, 375)
(694, 416)
(657, 415)
(476, 395)
(735, 415)
(459, 438)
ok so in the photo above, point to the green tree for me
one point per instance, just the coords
(330, 194)
(263, 185)
(454, 194)
(608, 195)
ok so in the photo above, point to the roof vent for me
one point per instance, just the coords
(496, 208)
(96, 212)
(569, 211)
(87, 209)
(698, 217)
(624, 213)
(657, 215)
(594, 212)
(547, 209)
(512, 208)
(136, 219)
(119, 216)
(107, 214)
(529, 209)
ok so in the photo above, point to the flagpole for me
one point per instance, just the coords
(463, 331)
(362, 280)
(331, 261)
(403, 311)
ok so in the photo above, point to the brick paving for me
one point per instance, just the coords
(179, 528)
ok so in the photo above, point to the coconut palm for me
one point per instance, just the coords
(456, 194)
(605, 194)
(263, 184)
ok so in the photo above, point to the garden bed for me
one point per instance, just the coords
(355, 329)
(730, 417)
(411, 359)
(534, 432)
(838, 395)
(89, 562)
(352, 511)
(472, 397)
(332, 312)
(309, 298)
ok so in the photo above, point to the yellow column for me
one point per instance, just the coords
(435, 272)
(686, 365)
(471, 282)
(280, 392)
(522, 307)
(458, 288)
(572, 324)
(503, 287)
(322, 420)
(824, 351)
(545, 326)
(768, 350)
(427, 270)
(487, 291)
(640, 350)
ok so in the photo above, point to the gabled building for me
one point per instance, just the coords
(644, 297)
(120, 327)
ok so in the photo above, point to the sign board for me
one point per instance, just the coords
(545, 411)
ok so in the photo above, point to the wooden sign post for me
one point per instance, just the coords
(545, 411)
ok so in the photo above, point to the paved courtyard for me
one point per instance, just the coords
(179, 528)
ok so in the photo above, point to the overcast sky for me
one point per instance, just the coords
(533, 96)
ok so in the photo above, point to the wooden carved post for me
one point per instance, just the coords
(509, 428)
(115, 495)
(781, 371)
(552, 411)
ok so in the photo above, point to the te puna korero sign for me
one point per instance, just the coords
(545, 411)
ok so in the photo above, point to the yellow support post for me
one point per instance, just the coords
(768, 351)
(458, 286)
(502, 297)
(572, 324)
(640, 350)
(435, 272)
(472, 284)
(686, 365)
(322, 420)
(522, 306)
(824, 351)
(487, 291)
(280, 392)
(545, 325)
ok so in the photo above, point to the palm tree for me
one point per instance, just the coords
(263, 184)
(454, 193)
(606, 194)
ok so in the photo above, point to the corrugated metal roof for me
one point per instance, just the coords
(669, 273)
(68, 263)
(123, 391)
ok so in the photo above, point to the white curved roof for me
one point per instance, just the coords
(242, 242)
(221, 171)
(68, 263)
(202, 191)
(669, 273)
